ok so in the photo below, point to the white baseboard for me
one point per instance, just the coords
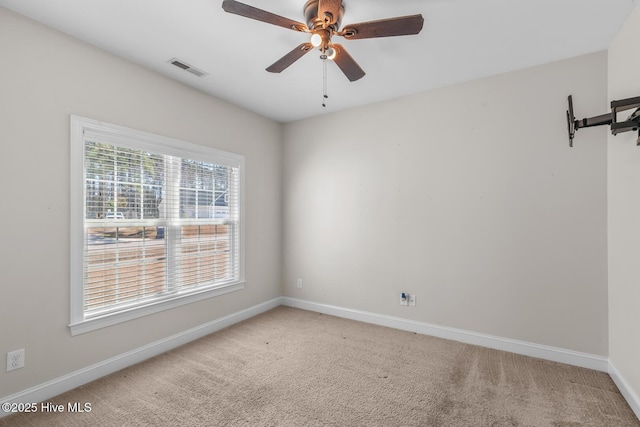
(554, 354)
(83, 376)
(630, 396)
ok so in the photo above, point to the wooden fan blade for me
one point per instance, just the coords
(347, 64)
(247, 11)
(329, 6)
(291, 57)
(400, 26)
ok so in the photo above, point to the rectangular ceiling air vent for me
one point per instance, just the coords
(190, 68)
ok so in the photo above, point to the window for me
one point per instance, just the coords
(155, 223)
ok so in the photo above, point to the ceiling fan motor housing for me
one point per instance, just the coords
(324, 19)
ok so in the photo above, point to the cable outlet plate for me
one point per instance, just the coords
(15, 360)
(412, 300)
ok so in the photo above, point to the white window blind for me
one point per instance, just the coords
(161, 221)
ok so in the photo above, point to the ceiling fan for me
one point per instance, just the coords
(323, 22)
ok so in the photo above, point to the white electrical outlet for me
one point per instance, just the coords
(412, 300)
(404, 298)
(15, 360)
(299, 283)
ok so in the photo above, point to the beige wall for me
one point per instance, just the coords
(468, 197)
(46, 76)
(624, 213)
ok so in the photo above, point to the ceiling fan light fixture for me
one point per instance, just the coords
(331, 53)
(316, 40)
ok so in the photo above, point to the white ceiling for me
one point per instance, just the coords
(462, 40)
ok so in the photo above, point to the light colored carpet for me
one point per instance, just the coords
(290, 367)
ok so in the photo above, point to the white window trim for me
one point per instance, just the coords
(120, 134)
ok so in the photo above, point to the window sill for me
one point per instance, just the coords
(92, 324)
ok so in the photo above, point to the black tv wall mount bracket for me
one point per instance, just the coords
(632, 122)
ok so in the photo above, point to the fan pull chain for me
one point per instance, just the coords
(324, 80)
